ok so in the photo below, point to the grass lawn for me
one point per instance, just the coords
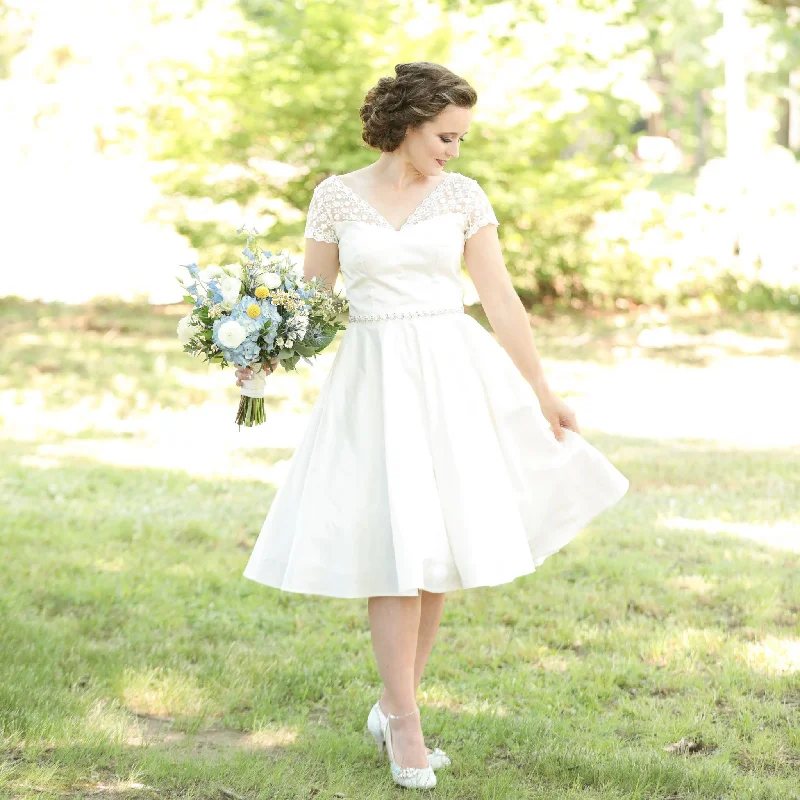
(656, 656)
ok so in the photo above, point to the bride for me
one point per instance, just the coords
(435, 459)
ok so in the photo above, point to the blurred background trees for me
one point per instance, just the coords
(604, 133)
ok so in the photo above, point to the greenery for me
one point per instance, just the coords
(136, 660)
(656, 657)
(555, 156)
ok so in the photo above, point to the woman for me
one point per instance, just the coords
(434, 459)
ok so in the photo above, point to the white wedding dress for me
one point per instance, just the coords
(426, 462)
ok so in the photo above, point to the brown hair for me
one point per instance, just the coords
(420, 91)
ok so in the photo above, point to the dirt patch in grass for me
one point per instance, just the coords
(145, 730)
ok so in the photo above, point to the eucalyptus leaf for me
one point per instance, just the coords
(326, 339)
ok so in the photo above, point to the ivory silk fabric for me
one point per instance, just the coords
(426, 462)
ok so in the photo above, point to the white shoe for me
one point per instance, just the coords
(410, 777)
(375, 724)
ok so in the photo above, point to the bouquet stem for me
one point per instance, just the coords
(251, 403)
(251, 411)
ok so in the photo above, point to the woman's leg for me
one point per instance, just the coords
(394, 624)
(429, 618)
(431, 605)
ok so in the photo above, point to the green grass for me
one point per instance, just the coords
(138, 662)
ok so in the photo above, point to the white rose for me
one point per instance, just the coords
(236, 270)
(187, 328)
(211, 272)
(231, 333)
(270, 280)
(231, 289)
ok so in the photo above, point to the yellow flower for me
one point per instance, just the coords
(262, 292)
(253, 310)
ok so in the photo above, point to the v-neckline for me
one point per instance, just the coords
(380, 216)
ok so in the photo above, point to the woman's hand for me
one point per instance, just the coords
(558, 414)
(245, 373)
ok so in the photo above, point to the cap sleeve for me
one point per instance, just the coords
(479, 210)
(319, 220)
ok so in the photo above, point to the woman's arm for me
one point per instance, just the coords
(321, 260)
(507, 316)
(509, 320)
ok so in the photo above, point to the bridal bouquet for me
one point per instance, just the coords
(253, 311)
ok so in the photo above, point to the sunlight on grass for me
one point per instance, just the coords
(439, 698)
(635, 396)
(132, 502)
(773, 656)
(783, 535)
(692, 583)
(680, 649)
(144, 732)
(117, 565)
(166, 693)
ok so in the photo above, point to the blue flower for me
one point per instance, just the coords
(215, 330)
(255, 325)
(245, 353)
(247, 253)
(216, 294)
(270, 311)
(193, 269)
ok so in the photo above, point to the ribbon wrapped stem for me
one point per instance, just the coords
(251, 404)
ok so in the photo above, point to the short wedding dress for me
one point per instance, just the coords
(426, 462)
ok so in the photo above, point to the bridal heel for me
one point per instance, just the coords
(375, 724)
(409, 777)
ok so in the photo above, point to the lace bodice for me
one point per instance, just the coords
(333, 201)
(416, 266)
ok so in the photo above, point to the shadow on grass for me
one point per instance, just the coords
(124, 602)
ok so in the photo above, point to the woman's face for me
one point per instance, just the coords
(437, 140)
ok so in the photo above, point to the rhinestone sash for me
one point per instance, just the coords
(421, 312)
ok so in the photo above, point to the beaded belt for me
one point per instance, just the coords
(422, 312)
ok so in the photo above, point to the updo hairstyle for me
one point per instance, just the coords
(420, 91)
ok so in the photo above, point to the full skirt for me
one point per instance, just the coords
(426, 464)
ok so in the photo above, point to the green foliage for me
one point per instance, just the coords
(136, 656)
(714, 245)
(292, 96)
(554, 156)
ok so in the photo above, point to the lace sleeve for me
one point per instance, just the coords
(319, 220)
(479, 211)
